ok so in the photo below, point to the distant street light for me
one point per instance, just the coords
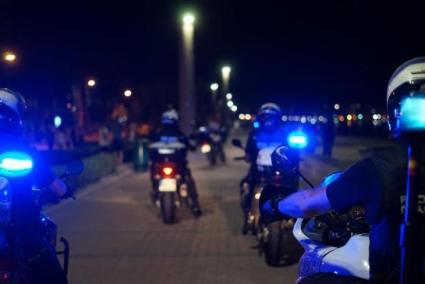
(229, 96)
(337, 106)
(226, 71)
(214, 87)
(91, 83)
(230, 103)
(234, 108)
(128, 93)
(9, 57)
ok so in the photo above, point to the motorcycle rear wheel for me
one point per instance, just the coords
(168, 208)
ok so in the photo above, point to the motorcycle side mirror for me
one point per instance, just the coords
(237, 143)
(75, 168)
(281, 158)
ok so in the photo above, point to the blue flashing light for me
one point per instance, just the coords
(331, 178)
(256, 124)
(412, 114)
(297, 139)
(15, 164)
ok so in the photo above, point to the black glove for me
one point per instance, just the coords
(269, 203)
(69, 193)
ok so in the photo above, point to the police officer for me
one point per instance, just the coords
(38, 255)
(376, 184)
(170, 132)
(268, 131)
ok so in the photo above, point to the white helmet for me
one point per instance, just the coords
(170, 117)
(12, 106)
(406, 98)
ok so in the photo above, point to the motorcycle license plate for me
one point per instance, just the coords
(168, 185)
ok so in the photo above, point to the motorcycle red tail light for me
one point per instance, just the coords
(167, 171)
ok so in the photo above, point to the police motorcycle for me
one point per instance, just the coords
(211, 145)
(15, 165)
(333, 243)
(275, 240)
(169, 175)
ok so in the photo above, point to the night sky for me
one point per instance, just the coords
(297, 53)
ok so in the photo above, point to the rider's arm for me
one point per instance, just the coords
(306, 203)
(45, 178)
(358, 186)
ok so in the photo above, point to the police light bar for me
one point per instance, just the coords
(297, 139)
(256, 124)
(412, 114)
(15, 164)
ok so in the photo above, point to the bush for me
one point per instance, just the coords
(95, 167)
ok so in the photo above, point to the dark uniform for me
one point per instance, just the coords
(378, 185)
(259, 139)
(36, 252)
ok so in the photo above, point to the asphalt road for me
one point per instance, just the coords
(117, 236)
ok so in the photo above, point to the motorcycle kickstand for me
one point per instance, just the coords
(65, 253)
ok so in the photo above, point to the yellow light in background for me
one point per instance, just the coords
(349, 117)
(229, 96)
(91, 83)
(128, 93)
(234, 108)
(247, 116)
(9, 56)
(230, 103)
(242, 116)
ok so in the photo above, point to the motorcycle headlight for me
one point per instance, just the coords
(15, 164)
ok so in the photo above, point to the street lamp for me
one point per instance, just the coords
(188, 20)
(187, 99)
(9, 57)
(230, 104)
(128, 93)
(91, 83)
(226, 71)
(229, 96)
(234, 108)
(214, 87)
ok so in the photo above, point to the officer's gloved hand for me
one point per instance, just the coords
(69, 193)
(269, 204)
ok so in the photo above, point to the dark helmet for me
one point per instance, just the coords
(406, 98)
(170, 117)
(12, 106)
(269, 115)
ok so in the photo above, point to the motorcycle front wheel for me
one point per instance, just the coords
(272, 244)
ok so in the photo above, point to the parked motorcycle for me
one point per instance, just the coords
(333, 243)
(170, 178)
(275, 239)
(13, 267)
